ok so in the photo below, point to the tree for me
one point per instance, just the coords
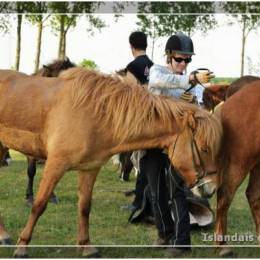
(159, 19)
(4, 18)
(88, 64)
(65, 17)
(38, 19)
(247, 15)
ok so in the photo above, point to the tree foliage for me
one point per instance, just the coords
(247, 16)
(159, 19)
(65, 16)
(5, 22)
(88, 64)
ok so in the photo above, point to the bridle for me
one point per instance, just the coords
(195, 152)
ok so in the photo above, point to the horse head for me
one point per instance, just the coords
(214, 94)
(53, 69)
(194, 148)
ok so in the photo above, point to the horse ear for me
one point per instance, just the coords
(190, 120)
(46, 67)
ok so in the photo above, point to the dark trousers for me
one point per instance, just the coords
(168, 199)
(141, 183)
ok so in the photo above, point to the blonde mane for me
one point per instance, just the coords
(128, 108)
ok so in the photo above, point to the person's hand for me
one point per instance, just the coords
(200, 76)
(188, 97)
(204, 77)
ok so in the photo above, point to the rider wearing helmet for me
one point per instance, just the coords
(169, 79)
(167, 188)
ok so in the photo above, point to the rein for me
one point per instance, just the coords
(194, 149)
(201, 163)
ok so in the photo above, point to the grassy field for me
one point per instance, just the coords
(108, 222)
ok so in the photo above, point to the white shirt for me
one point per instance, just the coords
(162, 81)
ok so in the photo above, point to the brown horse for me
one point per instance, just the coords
(239, 83)
(217, 93)
(239, 154)
(82, 118)
(214, 94)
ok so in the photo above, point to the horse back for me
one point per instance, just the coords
(25, 100)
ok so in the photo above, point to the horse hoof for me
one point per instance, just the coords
(6, 241)
(20, 252)
(54, 200)
(20, 256)
(90, 252)
(29, 201)
(227, 252)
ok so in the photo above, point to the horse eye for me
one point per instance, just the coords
(204, 149)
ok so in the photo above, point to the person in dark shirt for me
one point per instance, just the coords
(140, 66)
(138, 71)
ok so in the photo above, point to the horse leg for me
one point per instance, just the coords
(253, 195)
(3, 152)
(127, 169)
(31, 171)
(126, 165)
(53, 171)
(4, 236)
(233, 177)
(85, 187)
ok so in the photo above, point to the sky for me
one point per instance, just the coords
(219, 50)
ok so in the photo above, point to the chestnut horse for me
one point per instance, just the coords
(81, 118)
(214, 94)
(239, 154)
(217, 93)
(239, 83)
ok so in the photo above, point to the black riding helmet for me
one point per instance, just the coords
(179, 43)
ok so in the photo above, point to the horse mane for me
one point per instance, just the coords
(134, 107)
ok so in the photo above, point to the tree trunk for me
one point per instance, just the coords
(62, 23)
(63, 46)
(38, 50)
(243, 48)
(153, 43)
(18, 41)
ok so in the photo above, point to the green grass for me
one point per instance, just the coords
(108, 222)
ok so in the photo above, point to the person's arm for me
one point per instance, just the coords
(161, 78)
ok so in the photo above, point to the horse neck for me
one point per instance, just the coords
(157, 134)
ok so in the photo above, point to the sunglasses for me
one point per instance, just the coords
(179, 60)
